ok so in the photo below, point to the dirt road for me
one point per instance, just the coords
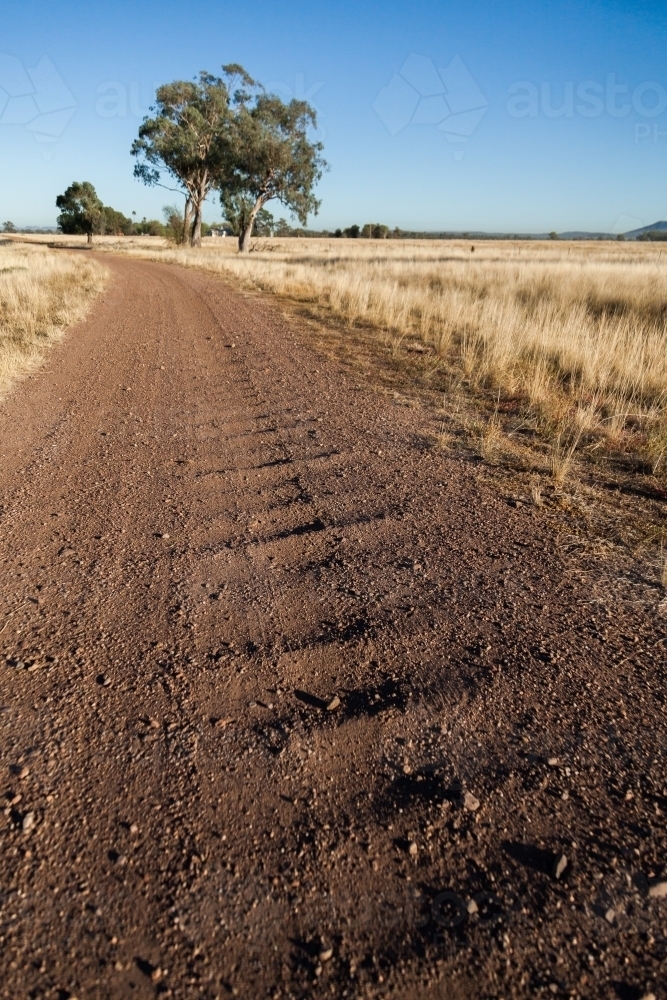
(277, 674)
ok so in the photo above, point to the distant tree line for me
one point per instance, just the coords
(372, 231)
(82, 213)
(655, 235)
(378, 231)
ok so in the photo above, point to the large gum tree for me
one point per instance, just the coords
(273, 157)
(189, 138)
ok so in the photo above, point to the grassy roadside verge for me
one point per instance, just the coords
(42, 292)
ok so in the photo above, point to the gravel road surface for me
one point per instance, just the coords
(293, 704)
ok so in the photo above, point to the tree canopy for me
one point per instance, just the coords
(114, 223)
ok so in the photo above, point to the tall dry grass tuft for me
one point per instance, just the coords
(576, 332)
(560, 461)
(42, 291)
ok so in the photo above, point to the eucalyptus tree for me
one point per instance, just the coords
(272, 157)
(189, 138)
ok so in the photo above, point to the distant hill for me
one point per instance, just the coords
(657, 227)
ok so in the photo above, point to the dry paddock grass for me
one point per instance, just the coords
(42, 292)
(566, 341)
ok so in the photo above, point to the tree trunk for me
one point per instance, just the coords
(198, 207)
(187, 221)
(246, 233)
(90, 238)
(196, 227)
(244, 238)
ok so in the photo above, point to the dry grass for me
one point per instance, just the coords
(568, 338)
(42, 291)
(536, 493)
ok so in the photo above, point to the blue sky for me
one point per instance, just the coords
(88, 71)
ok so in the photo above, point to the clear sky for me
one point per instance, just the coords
(520, 115)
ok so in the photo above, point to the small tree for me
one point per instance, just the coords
(81, 211)
(150, 227)
(282, 228)
(8, 227)
(374, 231)
(264, 223)
(174, 224)
(273, 158)
(352, 232)
(115, 223)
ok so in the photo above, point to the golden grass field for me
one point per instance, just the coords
(42, 291)
(569, 338)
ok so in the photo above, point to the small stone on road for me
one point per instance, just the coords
(560, 864)
(470, 802)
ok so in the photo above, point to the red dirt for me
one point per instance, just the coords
(208, 533)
